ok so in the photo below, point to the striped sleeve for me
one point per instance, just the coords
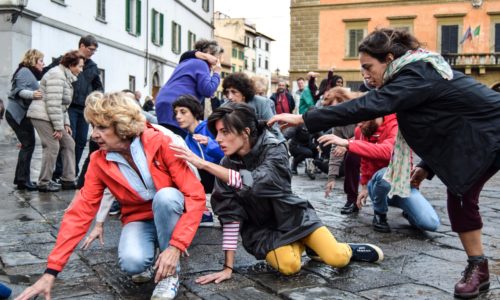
(234, 179)
(230, 233)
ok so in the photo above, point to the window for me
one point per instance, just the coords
(191, 40)
(233, 68)
(497, 37)
(260, 62)
(260, 44)
(246, 63)
(449, 39)
(247, 41)
(242, 54)
(205, 4)
(240, 69)
(133, 17)
(355, 37)
(235, 53)
(267, 46)
(102, 75)
(131, 83)
(176, 38)
(266, 64)
(403, 23)
(101, 10)
(157, 28)
(253, 65)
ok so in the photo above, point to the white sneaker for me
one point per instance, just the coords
(166, 289)
(144, 277)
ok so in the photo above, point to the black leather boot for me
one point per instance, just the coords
(380, 223)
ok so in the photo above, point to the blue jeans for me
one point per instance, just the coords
(420, 212)
(138, 240)
(80, 130)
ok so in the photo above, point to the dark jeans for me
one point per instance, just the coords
(93, 146)
(207, 180)
(175, 130)
(352, 164)
(300, 152)
(80, 130)
(464, 212)
(25, 133)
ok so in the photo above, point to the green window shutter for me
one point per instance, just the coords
(153, 26)
(138, 18)
(127, 15)
(161, 29)
(180, 47)
(173, 37)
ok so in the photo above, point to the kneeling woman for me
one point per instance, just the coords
(253, 196)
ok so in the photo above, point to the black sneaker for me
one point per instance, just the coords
(29, 185)
(67, 185)
(380, 223)
(366, 253)
(207, 220)
(349, 208)
(115, 208)
(313, 255)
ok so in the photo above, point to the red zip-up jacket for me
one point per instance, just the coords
(375, 151)
(166, 171)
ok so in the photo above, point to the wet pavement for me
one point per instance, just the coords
(417, 265)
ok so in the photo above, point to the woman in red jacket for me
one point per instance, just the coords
(162, 201)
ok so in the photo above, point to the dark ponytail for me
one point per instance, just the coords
(381, 42)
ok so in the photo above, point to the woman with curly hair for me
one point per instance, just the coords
(25, 89)
(239, 88)
(161, 199)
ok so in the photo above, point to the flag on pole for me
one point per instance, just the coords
(467, 35)
(477, 31)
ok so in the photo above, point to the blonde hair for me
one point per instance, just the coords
(31, 57)
(117, 110)
(260, 84)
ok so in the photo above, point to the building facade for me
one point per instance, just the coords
(326, 33)
(140, 41)
(250, 49)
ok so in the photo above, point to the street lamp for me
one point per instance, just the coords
(278, 72)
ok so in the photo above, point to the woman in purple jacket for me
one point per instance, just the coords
(191, 77)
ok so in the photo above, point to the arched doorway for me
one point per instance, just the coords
(156, 85)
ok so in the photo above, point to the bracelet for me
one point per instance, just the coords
(226, 266)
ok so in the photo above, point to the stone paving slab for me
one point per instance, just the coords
(417, 265)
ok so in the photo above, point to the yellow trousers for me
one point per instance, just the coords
(287, 259)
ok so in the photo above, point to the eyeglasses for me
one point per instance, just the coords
(92, 49)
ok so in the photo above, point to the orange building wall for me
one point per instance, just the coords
(332, 28)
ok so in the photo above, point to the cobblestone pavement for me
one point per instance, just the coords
(417, 265)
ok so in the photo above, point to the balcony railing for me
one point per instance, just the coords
(473, 59)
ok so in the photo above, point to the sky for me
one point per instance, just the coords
(272, 18)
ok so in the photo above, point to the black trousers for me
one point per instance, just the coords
(93, 146)
(25, 133)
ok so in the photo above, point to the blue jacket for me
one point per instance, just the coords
(211, 152)
(190, 77)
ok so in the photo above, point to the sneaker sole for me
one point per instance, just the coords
(207, 224)
(377, 249)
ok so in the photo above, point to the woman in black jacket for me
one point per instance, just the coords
(253, 196)
(450, 120)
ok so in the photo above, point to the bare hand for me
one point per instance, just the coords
(339, 151)
(37, 95)
(188, 155)
(217, 68)
(43, 286)
(97, 232)
(201, 139)
(212, 60)
(166, 263)
(329, 188)
(215, 277)
(362, 196)
(418, 174)
(329, 139)
(286, 120)
(341, 93)
(57, 134)
(312, 74)
(68, 129)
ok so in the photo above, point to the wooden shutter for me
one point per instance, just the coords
(138, 17)
(161, 29)
(153, 26)
(127, 15)
(449, 39)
